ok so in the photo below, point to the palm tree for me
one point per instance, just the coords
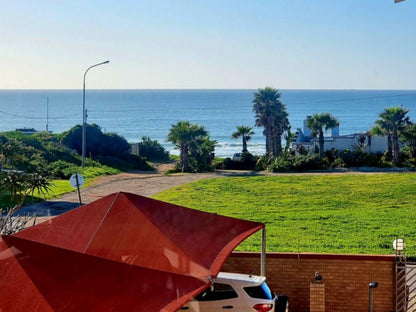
(20, 185)
(271, 114)
(319, 123)
(245, 132)
(392, 122)
(183, 135)
(382, 128)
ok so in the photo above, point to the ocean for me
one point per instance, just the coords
(137, 113)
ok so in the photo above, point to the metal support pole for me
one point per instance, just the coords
(83, 123)
(79, 192)
(84, 114)
(371, 287)
(263, 253)
(370, 299)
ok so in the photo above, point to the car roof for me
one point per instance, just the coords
(240, 278)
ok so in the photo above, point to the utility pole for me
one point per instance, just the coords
(47, 113)
(84, 115)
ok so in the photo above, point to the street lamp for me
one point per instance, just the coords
(84, 114)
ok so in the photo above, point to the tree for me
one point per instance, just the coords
(186, 136)
(201, 153)
(392, 122)
(319, 123)
(98, 143)
(271, 114)
(245, 132)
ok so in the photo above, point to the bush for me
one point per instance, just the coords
(279, 164)
(63, 170)
(125, 162)
(97, 143)
(263, 162)
(247, 162)
(309, 162)
(359, 159)
(288, 162)
(152, 150)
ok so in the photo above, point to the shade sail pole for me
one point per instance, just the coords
(263, 252)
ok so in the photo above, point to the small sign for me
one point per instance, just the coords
(76, 180)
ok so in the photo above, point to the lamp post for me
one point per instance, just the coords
(84, 113)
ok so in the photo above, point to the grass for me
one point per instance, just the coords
(61, 187)
(347, 213)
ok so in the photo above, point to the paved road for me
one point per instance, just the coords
(141, 183)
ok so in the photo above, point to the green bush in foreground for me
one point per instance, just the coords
(333, 213)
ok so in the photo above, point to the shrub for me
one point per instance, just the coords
(125, 162)
(280, 164)
(247, 162)
(263, 162)
(152, 149)
(63, 170)
(309, 162)
(98, 143)
(358, 158)
(288, 162)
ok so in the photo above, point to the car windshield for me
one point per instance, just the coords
(261, 291)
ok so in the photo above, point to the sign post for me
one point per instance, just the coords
(77, 181)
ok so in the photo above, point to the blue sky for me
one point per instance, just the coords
(287, 44)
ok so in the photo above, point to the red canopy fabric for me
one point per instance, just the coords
(122, 252)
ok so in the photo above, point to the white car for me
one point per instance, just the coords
(238, 292)
(237, 156)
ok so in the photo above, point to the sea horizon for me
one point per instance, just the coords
(185, 89)
(134, 113)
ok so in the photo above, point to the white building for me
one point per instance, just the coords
(371, 144)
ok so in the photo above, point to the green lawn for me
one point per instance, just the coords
(58, 188)
(334, 213)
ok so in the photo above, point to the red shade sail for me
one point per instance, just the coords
(122, 252)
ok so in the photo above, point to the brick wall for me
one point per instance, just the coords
(346, 278)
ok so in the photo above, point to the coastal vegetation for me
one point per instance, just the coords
(108, 149)
(392, 123)
(245, 132)
(194, 145)
(34, 164)
(319, 123)
(331, 213)
(271, 114)
(152, 150)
